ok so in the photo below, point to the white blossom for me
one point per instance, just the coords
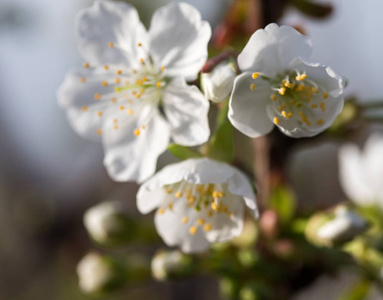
(218, 83)
(361, 172)
(278, 86)
(198, 201)
(130, 77)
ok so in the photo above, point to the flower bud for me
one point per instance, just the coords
(172, 265)
(218, 83)
(99, 274)
(336, 227)
(108, 224)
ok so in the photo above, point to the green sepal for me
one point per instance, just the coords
(183, 152)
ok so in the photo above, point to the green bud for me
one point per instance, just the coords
(254, 291)
(100, 274)
(229, 288)
(172, 265)
(334, 227)
(109, 224)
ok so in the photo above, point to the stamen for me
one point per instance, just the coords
(192, 230)
(106, 67)
(301, 77)
(200, 221)
(99, 131)
(320, 122)
(139, 44)
(178, 194)
(207, 227)
(136, 132)
(282, 91)
(255, 75)
(119, 72)
(214, 206)
(111, 45)
(252, 87)
(83, 80)
(99, 113)
(84, 108)
(86, 65)
(273, 97)
(117, 80)
(130, 111)
(323, 106)
(325, 95)
(141, 60)
(122, 107)
(314, 105)
(97, 96)
(161, 211)
(158, 84)
(170, 205)
(162, 68)
(276, 120)
(104, 83)
(114, 100)
(185, 220)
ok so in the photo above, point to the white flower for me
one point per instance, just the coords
(346, 225)
(361, 174)
(198, 201)
(129, 75)
(279, 87)
(218, 84)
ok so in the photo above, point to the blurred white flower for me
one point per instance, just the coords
(198, 201)
(361, 173)
(218, 83)
(279, 87)
(345, 225)
(129, 74)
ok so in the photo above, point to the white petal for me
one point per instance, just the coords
(110, 22)
(272, 49)
(78, 98)
(353, 177)
(133, 158)
(174, 233)
(247, 107)
(225, 228)
(178, 40)
(186, 109)
(147, 200)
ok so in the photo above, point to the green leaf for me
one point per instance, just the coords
(282, 200)
(183, 152)
(357, 291)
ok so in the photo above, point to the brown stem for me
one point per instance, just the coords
(261, 154)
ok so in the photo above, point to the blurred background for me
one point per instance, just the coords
(49, 176)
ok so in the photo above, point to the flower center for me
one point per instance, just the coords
(127, 90)
(296, 97)
(207, 200)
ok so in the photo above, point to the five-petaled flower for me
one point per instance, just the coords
(279, 87)
(361, 173)
(131, 76)
(198, 201)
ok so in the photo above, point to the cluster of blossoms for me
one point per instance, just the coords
(133, 96)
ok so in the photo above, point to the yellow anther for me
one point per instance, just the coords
(141, 60)
(111, 45)
(115, 120)
(122, 107)
(144, 79)
(325, 95)
(315, 90)
(83, 80)
(115, 127)
(289, 114)
(169, 191)
(273, 97)
(282, 91)
(284, 113)
(117, 80)
(159, 84)
(114, 100)
(210, 213)
(170, 205)
(139, 44)
(104, 83)
(214, 206)
(314, 105)
(200, 221)
(136, 132)
(281, 107)
(207, 227)
(161, 211)
(143, 126)
(99, 131)
(99, 113)
(138, 96)
(276, 120)
(217, 194)
(134, 93)
(190, 199)
(106, 67)
(162, 68)
(134, 71)
(301, 77)
(292, 101)
(320, 122)
(130, 111)
(130, 101)
(301, 114)
(178, 194)
(252, 86)
(139, 82)
(127, 82)
(119, 72)
(255, 75)
(85, 108)
(97, 96)
(300, 87)
(323, 106)
(192, 230)
(86, 65)
(185, 220)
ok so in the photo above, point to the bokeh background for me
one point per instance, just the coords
(49, 176)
